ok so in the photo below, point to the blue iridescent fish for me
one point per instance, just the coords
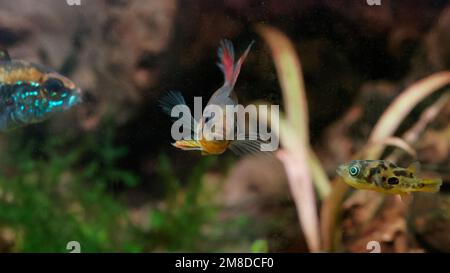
(31, 93)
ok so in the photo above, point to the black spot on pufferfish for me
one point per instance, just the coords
(372, 173)
(400, 173)
(393, 181)
(392, 165)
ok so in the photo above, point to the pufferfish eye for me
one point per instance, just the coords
(354, 170)
(53, 85)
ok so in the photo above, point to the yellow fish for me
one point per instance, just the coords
(386, 177)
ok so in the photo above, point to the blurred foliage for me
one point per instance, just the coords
(55, 191)
(260, 246)
(189, 218)
(178, 225)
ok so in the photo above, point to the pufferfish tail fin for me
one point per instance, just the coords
(229, 68)
(431, 185)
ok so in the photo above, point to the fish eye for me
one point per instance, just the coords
(209, 118)
(354, 170)
(9, 101)
(53, 85)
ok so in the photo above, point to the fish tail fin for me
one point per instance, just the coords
(229, 68)
(431, 185)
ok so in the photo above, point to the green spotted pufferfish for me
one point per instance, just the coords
(386, 177)
(31, 93)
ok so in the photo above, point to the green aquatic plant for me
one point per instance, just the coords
(179, 224)
(50, 194)
(260, 246)
(189, 217)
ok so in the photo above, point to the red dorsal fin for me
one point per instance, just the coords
(229, 68)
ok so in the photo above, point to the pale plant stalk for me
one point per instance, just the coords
(294, 136)
(321, 180)
(294, 159)
(401, 107)
(427, 116)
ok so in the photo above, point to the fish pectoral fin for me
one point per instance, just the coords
(188, 145)
(229, 68)
(4, 56)
(414, 167)
(406, 197)
(246, 147)
(173, 99)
